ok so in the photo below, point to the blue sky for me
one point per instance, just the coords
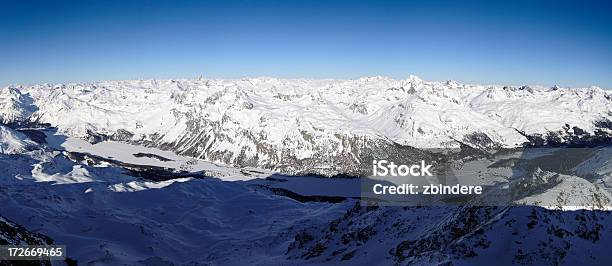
(568, 43)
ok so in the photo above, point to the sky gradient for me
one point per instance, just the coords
(568, 43)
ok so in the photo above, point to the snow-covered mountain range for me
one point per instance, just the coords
(310, 126)
(201, 172)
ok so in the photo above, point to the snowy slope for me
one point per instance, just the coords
(457, 236)
(598, 166)
(316, 126)
(14, 234)
(13, 142)
(15, 106)
(566, 193)
(114, 218)
(140, 155)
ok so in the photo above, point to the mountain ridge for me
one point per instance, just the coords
(305, 126)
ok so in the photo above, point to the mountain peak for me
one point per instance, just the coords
(415, 79)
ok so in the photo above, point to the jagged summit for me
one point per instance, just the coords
(14, 105)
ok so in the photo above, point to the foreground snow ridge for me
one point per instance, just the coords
(296, 124)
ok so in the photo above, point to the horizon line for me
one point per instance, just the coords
(409, 77)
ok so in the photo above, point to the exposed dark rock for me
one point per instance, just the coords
(302, 198)
(14, 234)
(93, 137)
(154, 173)
(35, 135)
(604, 123)
(122, 135)
(154, 156)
